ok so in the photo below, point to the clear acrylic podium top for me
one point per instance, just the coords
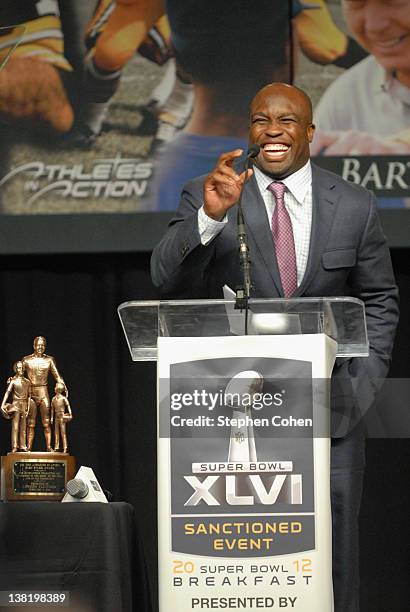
(341, 318)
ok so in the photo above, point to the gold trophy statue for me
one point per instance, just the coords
(27, 475)
(37, 367)
(18, 410)
(59, 403)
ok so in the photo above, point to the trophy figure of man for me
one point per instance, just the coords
(37, 367)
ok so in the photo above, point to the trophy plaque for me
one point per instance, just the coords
(27, 475)
(35, 476)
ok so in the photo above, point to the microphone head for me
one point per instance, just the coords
(253, 151)
(77, 488)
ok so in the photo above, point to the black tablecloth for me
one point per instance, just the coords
(89, 549)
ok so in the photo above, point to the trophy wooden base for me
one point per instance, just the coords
(35, 476)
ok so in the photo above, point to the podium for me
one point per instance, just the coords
(244, 516)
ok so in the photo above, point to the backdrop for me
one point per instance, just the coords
(108, 108)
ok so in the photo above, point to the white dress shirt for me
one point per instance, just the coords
(298, 202)
(377, 102)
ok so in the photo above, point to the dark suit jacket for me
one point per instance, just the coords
(348, 256)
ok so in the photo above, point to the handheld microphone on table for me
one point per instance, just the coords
(84, 488)
(243, 291)
(77, 488)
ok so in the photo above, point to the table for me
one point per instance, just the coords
(91, 550)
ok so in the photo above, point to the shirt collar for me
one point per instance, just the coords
(386, 82)
(297, 183)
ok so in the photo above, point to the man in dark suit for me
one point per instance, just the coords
(310, 234)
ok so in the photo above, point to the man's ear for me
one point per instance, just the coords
(311, 131)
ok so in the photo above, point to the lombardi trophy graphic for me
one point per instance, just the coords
(239, 393)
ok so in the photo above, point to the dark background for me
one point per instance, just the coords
(72, 300)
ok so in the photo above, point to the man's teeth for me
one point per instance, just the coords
(390, 43)
(275, 147)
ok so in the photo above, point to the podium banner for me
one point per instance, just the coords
(244, 514)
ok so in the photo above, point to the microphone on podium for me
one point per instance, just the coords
(243, 291)
(253, 151)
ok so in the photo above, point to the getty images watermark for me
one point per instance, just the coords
(214, 400)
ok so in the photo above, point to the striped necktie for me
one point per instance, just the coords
(284, 241)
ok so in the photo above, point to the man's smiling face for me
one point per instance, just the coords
(281, 124)
(382, 27)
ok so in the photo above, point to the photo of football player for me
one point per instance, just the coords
(116, 31)
(33, 83)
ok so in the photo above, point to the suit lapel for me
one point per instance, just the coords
(258, 225)
(324, 205)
